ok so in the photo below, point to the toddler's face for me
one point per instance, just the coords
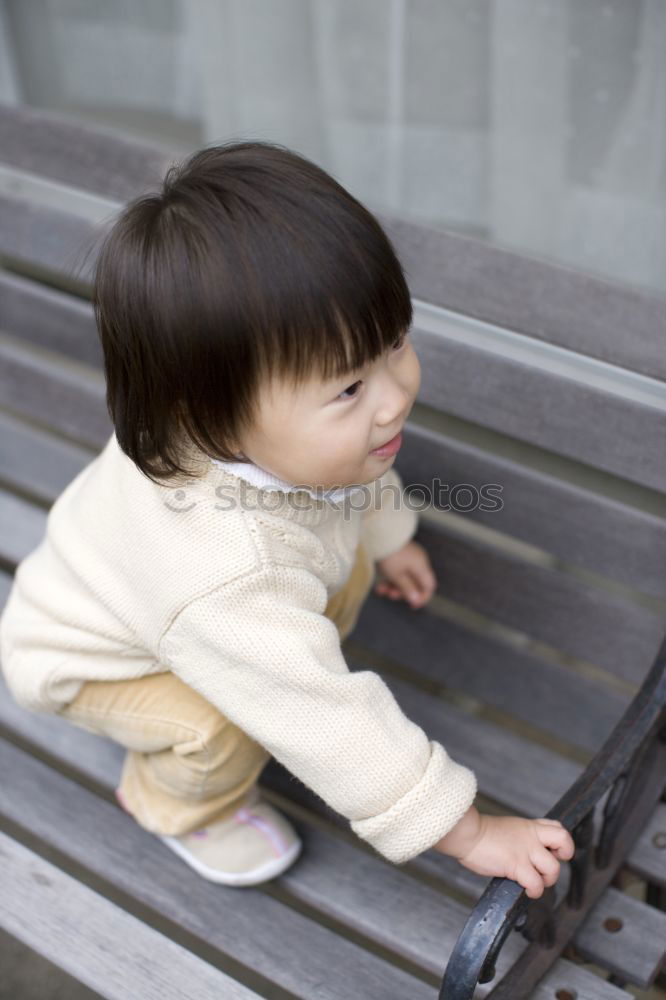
(322, 434)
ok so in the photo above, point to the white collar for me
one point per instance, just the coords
(264, 480)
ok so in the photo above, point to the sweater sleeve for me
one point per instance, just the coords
(388, 523)
(261, 650)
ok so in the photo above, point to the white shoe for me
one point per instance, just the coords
(253, 845)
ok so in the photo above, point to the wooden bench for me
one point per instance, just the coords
(543, 382)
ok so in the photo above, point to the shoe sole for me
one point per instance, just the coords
(261, 874)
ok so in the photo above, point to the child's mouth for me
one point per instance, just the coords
(390, 448)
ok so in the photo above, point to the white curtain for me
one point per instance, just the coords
(536, 124)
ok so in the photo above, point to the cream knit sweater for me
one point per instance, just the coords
(225, 583)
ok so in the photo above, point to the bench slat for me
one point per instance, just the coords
(49, 318)
(21, 527)
(617, 435)
(348, 884)
(99, 159)
(598, 317)
(70, 399)
(95, 941)
(37, 462)
(244, 929)
(579, 526)
(546, 696)
(36, 237)
(648, 855)
(643, 937)
(552, 606)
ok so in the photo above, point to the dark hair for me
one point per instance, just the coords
(249, 261)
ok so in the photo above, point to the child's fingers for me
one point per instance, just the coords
(527, 876)
(423, 576)
(558, 839)
(430, 581)
(407, 586)
(414, 590)
(547, 864)
(419, 587)
(404, 586)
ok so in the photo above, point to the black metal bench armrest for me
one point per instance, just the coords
(632, 764)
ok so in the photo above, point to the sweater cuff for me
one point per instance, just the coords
(425, 813)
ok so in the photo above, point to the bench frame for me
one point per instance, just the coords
(630, 766)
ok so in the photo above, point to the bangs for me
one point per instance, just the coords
(336, 297)
(333, 338)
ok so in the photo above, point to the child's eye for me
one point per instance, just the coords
(400, 342)
(342, 396)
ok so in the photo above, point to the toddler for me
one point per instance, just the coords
(196, 579)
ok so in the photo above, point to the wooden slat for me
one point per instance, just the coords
(54, 241)
(49, 318)
(243, 931)
(579, 526)
(21, 527)
(355, 888)
(595, 316)
(644, 935)
(59, 396)
(36, 461)
(544, 695)
(96, 942)
(549, 605)
(520, 775)
(648, 856)
(583, 422)
(103, 160)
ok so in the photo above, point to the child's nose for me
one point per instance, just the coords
(396, 401)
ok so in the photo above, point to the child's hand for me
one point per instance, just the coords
(510, 847)
(407, 573)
